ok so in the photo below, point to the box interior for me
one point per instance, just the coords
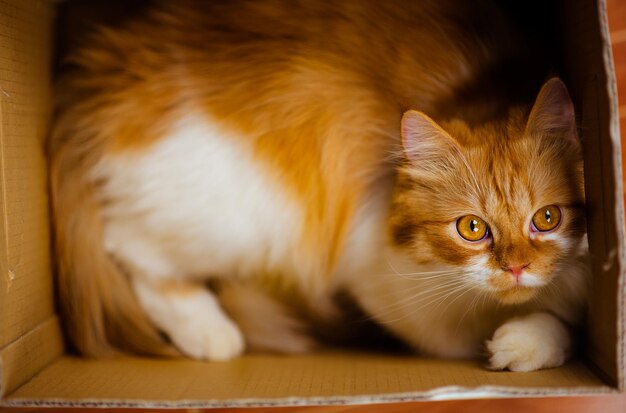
(36, 369)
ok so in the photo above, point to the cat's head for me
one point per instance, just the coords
(503, 202)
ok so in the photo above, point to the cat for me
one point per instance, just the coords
(284, 151)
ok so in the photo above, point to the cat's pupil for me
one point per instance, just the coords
(474, 226)
(548, 216)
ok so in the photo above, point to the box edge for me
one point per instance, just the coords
(611, 85)
(442, 393)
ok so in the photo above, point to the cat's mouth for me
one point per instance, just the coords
(516, 295)
(518, 289)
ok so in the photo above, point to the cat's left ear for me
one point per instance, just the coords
(553, 113)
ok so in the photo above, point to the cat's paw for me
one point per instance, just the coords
(214, 340)
(534, 342)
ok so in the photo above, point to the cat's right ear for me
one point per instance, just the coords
(426, 145)
(553, 113)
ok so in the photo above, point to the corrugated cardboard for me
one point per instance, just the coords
(336, 378)
(589, 70)
(35, 370)
(26, 298)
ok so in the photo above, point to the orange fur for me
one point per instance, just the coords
(97, 303)
(267, 324)
(506, 169)
(318, 87)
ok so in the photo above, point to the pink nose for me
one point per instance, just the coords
(516, 270)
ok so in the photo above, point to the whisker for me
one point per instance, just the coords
(442, 295)
(395, 271)
(398, 306)
(433, 278)
(485, 296)
(404, 300)
(472, 307)
(456, 298)
(417, 276)
(408, 289)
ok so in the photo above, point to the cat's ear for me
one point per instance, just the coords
(553, 113)
(425, 143)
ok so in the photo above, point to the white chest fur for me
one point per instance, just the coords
(196, 204)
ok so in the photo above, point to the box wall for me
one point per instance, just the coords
(589, 74)
(26, 297)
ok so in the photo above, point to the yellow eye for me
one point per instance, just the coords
(472, 228)
(546, 219)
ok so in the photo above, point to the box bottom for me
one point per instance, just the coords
(274, 380)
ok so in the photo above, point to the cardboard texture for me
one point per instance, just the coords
(333, 378)
(589, 70)
(35, 370)
(26, 298)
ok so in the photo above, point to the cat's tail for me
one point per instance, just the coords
(101, 314)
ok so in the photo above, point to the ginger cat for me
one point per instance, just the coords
(289, 150)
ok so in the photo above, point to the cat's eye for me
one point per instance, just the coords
(546, 219)
(472, 228)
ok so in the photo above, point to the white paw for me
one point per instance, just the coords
(534, 342)
(209, 339)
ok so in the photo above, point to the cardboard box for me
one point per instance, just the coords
(35, 369)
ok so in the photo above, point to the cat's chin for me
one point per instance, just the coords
(516, 295)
